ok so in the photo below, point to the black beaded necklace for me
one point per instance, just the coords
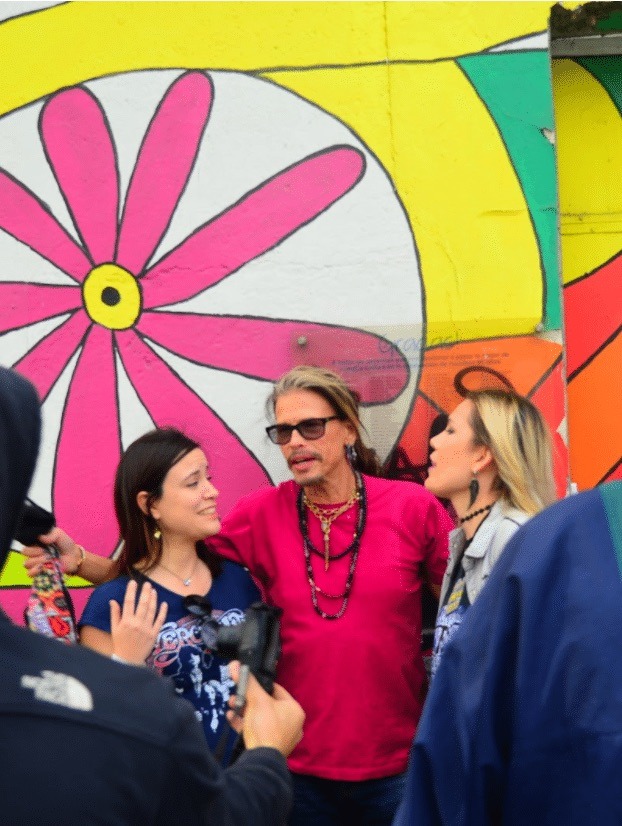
(353, 548)
(473, 514)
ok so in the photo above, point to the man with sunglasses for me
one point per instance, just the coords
(343, 553)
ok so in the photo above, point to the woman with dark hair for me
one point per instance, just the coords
(166, 506)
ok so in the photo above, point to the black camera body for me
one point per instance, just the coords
(255, 642)
(34, 520)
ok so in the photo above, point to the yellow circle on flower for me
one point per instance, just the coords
(112, 297)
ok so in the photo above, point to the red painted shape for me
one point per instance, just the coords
(414, 439)
(592, 312)
(549, 399)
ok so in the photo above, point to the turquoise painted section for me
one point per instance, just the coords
(516, 89)
(612, 499)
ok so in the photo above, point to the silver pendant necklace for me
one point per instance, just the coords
(186, 582)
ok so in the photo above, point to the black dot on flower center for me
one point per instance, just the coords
(110, 296)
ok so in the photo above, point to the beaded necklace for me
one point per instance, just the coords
(327, 516)
(473, 514)
(353, 548)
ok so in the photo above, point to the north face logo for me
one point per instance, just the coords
(60, 689)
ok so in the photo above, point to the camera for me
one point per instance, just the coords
(34, 520)
(255, 642)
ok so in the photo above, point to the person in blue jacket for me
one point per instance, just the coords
(523, 723)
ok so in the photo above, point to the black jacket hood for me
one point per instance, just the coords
(20, 425)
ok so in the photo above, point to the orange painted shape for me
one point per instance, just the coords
(594, 434)
(592, 312)
(522, 360)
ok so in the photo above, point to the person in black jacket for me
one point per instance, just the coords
(85, 740)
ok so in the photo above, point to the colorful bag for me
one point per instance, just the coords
(49, 610)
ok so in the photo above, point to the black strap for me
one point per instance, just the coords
(223, 741)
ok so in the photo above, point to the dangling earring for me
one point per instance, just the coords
(473, 490)
(157, 534)
(351, 455)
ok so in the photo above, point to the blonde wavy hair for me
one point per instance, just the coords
(515, 432)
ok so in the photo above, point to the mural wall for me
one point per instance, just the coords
(194, 197)
(588, 108)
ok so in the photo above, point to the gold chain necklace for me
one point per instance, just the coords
(327, 516)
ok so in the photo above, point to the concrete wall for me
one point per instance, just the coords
(195, 197)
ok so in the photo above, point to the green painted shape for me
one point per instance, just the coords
(516, 89)
(608, 72)
(613, 23)
(612, 500)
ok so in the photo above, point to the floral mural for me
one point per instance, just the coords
(185, 217)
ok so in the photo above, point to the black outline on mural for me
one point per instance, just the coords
(603, 346)
(177, 80)
(546, 375)
(595, 271)
(79, 344)
(430, 401)
(424, 320)
(275, 321)
(612, 336)
(85, 248)
(143, 339)
(518, 39)
(61, 428)
(47, 209)
(69, 310)
(31, 12)
(183, 70)
(397, 61)
(611, 470)
(580, 63)
(520, 186)
(245, 197)
(404, 61)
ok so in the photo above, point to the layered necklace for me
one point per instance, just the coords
(353, 548)
(327, 516)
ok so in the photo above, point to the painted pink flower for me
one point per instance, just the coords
(116, 305)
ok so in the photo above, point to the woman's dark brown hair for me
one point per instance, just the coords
(143, 467)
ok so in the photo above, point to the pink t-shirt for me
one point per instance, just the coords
(360, 678)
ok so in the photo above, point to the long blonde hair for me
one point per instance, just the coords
(515, 432)
(343, 400)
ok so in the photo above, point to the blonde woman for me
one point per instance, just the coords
(494, 463)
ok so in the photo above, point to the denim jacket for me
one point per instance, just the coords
(479, 559)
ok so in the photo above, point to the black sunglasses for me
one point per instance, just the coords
(310, 429)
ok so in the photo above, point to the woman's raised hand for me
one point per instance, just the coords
(135, 626)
